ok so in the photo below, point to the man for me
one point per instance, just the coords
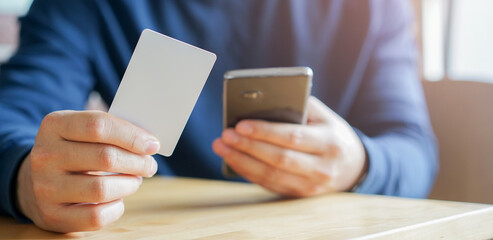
(368, 130)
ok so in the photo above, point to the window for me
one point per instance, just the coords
(458, 39)
(9, 10)
(14, 7)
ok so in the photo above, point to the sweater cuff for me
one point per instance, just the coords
(13, 158)
(377, 168)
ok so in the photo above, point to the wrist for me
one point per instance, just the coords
(363, 174)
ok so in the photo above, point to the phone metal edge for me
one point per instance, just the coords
(268, 72)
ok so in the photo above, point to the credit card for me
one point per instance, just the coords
(161, 85)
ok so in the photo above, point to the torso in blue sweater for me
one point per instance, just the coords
(361, 51)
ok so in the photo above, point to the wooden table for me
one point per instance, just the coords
(198, 209)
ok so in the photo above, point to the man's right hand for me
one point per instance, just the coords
(58, 187)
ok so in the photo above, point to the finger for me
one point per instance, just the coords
(265, 175)
(281, 190)
(82, 157)
(303, 138)
(95, 189)
(289, 160)
(86, 217)
(101, 127)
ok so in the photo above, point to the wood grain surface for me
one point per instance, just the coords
(180, 208)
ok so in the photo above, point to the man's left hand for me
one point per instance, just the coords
(296, 160)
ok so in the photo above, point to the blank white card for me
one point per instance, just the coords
(161, 86)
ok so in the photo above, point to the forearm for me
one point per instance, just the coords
(43, 76)
(402, 162)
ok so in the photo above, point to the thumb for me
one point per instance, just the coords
(318, 112)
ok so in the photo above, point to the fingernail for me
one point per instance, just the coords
(230, 137)
(244, 128)
(154, 168)
(152, 146)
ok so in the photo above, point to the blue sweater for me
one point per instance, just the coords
(362, 52)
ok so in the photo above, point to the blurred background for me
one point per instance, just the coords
(455, 38)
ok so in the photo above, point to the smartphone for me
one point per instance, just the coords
(271, 94)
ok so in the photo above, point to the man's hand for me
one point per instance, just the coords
(60, 185)
(296, 160)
